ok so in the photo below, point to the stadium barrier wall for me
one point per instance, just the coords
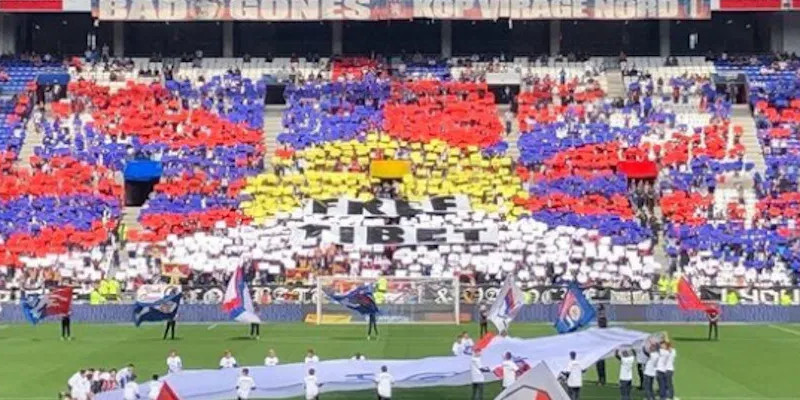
(123, 313)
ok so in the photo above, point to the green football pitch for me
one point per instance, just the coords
(749, 362)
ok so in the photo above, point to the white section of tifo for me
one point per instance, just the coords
(346, 375)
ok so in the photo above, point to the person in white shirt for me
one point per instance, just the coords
(75, 379)
(244, 385)
(311, 357)
(650, 372)
(311, 385)
(271, 359)
(457, 348)
(358, 357)
(574, 374)
(227, 360)
(384, 381)
(476, 371)
(466, 343)
(510, 369)
(626, 361)
(131, 391)
(155, 388)
(641, 360)
(661, 370)
(671, 354)
(124, 375)
(81, 388)
(174, 363)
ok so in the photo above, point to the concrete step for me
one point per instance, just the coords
(511, 139)
(273, 125)
(741, 116)
(130, 216)
(32, 139)
(616, 87)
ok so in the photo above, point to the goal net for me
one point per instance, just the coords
(400, 300)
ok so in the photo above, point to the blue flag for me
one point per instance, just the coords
(161, 310)
(575, 310)
(359, 299)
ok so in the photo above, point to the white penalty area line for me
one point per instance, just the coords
(212, 326)
(785, 330)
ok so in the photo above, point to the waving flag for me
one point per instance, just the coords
(574, 311)
(688, 299)
(56, 303)
(237, 301)
(359, 299)
(507, 305)
(160, 310)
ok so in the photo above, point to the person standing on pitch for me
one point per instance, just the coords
(227, 361)
(626, 361)
(713, 320)
(476, 372)
(671, 371)
(661, 371)
(373, 324)
(170, 328)
(155, 388)
(385, 381)
(484, 320)
(255, 330)
(574, 374)
(244, 385)
(174, 363)
(510, 369)
(641, 360)
(66, 331)
(131, 391)
(271, 359)
(602, 323)
(650, 372)
(311, 385)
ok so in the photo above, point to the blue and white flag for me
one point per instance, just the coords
(237, 301)
(575, 310)
(359, 299)
(507, 304)
(160, 310)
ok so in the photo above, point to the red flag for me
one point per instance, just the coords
(484, 342)
(59, 301)
(688, 299)
(167, 393)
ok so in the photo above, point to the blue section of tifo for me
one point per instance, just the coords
(123, 313)
(143, 170)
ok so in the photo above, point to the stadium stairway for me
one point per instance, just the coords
(273, 125)
(616, 88)
(130, 216)
(741, 115)
(511, 139)
(33, 138)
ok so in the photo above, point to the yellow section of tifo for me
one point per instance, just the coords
(341, 169)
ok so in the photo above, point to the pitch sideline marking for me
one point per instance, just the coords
(785, 330)
(212, 326)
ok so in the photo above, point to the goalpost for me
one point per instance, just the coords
(405, 300)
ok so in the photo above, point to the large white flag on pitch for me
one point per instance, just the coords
(506, 305)
(539, 383)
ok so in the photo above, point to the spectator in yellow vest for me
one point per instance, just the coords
(95, 298)
(786, 299)
(732, 298)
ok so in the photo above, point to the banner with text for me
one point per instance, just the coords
(314, 10)
(388, 208)
(394, 235)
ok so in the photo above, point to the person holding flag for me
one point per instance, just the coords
(688, 300)
(361, 300)
(237, 301)
(165, 309)
(507, 304)
(56, 303)
(575, 310)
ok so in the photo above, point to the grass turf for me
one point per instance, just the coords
(749, 362)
